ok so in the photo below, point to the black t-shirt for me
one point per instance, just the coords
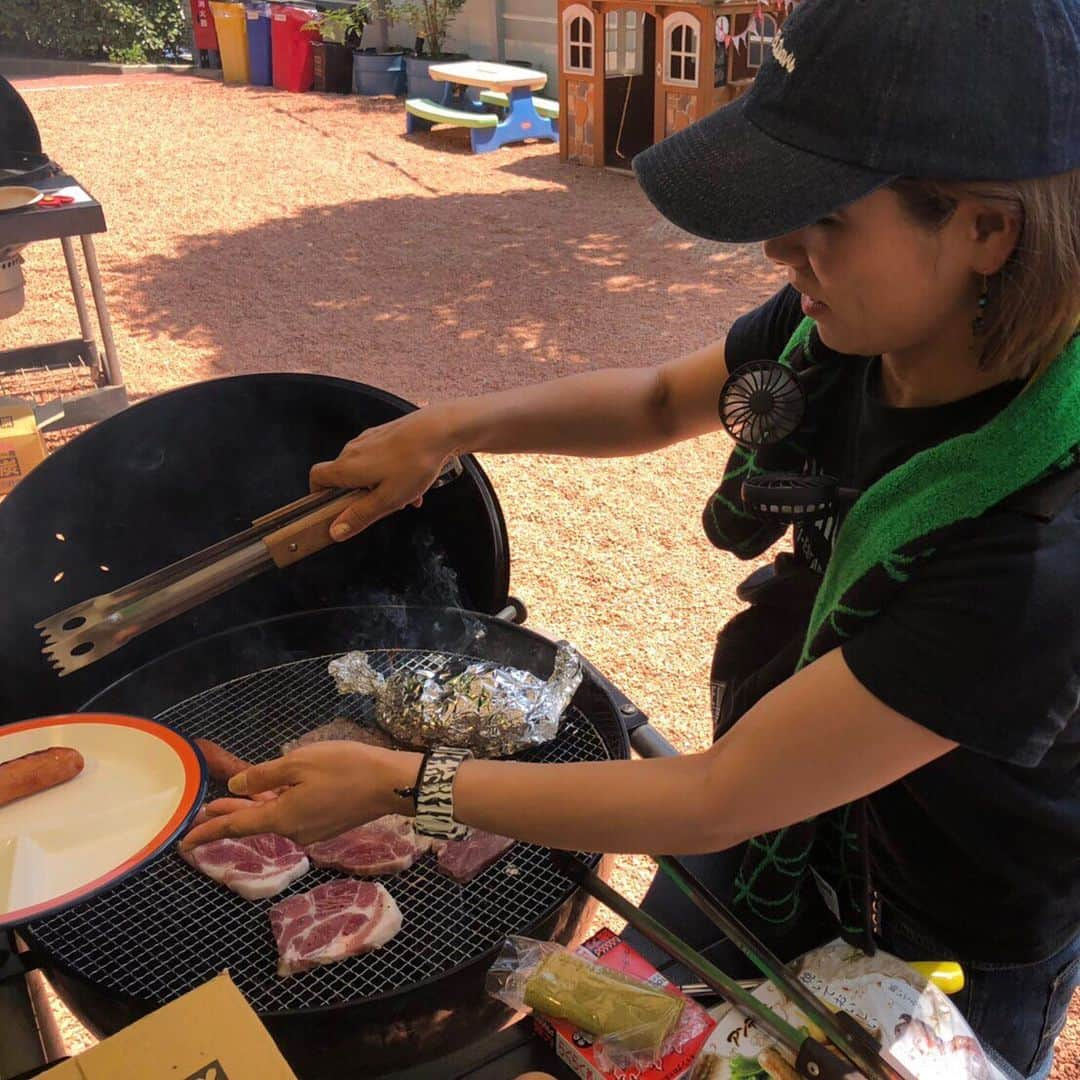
(981, 646)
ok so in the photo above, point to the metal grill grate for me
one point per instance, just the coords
(169, 929)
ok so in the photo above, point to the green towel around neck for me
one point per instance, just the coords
(957, 480)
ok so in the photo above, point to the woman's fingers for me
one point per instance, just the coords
(218, 807)
(280, 772)
(257, 818)
(330, 474)
(363, 511)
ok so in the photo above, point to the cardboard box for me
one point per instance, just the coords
(211, 1033)
(576, 1047)
(21, 445)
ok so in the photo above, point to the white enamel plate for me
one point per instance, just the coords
(139, 788)
(14, 197)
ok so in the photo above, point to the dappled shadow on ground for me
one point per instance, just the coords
(403, 291)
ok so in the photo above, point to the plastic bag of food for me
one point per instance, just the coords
(913, 1021)
(637, 1023)
(477, 705)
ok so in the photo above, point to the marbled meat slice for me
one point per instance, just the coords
(386, 845)
(464, 859)
(331, 922)
(342, 730)
(252, 866)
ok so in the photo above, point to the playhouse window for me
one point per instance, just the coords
(622, 52)
(578, 42)
(760, 41)
(681, 42)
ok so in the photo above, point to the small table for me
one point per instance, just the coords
(522, 120)
(81, 217)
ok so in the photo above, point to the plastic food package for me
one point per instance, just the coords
(637, 1023)
(913, 1021)
(493, 711)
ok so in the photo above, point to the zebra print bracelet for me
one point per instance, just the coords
(435, 794)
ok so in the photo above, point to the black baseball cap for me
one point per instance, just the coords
(859, 92)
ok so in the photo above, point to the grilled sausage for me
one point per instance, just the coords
(220, 763)
(39, 771)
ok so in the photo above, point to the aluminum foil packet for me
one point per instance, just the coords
(492, 710)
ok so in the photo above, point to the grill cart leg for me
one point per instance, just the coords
(85, 326)
(112, 363)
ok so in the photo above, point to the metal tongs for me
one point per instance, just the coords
(856, 1053)
(79, 635)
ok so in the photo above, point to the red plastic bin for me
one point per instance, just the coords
(203, 20)
(291, 49)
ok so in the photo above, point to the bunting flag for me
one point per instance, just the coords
(737, 41)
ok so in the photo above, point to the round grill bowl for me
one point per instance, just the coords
(169, 929)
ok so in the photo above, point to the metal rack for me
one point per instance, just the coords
(80, 219)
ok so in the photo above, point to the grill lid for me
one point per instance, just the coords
(18, 130)
(185, 469)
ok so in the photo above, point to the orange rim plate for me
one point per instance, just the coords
(140, 787)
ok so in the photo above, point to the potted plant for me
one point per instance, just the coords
(379, 70)
(431, 20)
(342, 32)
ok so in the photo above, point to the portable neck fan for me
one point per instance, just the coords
(761, 403)
(793, 497)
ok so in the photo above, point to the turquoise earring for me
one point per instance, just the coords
(978, 326)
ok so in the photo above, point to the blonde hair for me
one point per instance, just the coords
(1034, 301)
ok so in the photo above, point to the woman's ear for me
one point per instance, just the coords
(995, 232)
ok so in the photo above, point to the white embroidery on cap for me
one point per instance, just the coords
(784, 58)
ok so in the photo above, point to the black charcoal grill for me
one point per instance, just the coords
(21, 159)
(252, 687)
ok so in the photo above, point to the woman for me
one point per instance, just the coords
(905, 683)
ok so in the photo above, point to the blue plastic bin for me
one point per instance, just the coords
(261, 70)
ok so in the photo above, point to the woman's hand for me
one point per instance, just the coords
(393, 463)
(323, 790)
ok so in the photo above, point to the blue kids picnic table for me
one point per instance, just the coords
(488, 132)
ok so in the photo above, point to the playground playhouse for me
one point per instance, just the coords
(633, 71)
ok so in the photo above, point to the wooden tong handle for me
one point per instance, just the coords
(303, 537)
(308, 533)
(313, 501)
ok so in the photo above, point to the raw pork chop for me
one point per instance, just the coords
(387, 845)
(464, 859)
(252, 866)
(343, 730)
(331, 922)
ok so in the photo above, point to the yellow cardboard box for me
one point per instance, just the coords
(211, 1033)
(21, 445)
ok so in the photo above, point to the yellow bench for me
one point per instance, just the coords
(430, 112)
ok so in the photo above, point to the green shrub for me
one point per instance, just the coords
(430, 19)
(129, 31)
(344, 26)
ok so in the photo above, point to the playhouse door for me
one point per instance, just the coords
(629, 85)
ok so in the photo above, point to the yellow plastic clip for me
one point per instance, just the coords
(946, 975)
